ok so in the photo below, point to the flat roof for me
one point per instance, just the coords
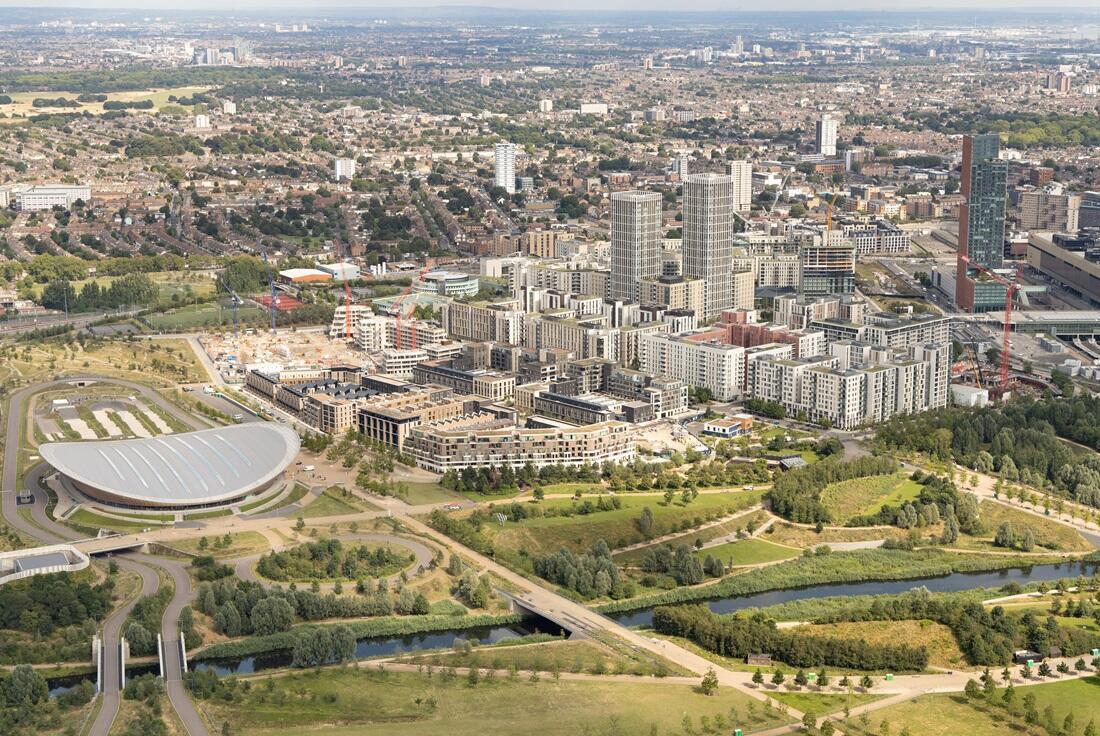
(202, 467)
(38, 562)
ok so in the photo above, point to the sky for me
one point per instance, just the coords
(318, 8)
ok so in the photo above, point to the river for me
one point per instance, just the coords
(381, 647)
(950, 583)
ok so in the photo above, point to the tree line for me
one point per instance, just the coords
(240, 608)
(986, 637)
(1018, 441)
(131, 290)
(41, 604)
(592, 574)
(739, 636)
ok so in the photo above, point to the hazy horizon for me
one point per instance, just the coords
(575, 6)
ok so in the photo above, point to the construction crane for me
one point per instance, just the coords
(271, 279)
(829, 218)
(235, 303)
(1011, 288)
(347, 296)
(977, 366)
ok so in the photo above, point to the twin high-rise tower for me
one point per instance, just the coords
(709, 204)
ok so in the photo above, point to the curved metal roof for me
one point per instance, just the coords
(201, 467)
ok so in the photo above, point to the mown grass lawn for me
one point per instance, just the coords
(809, 701)
(83, 517)
(364, 702)
(618, 527)
(748, 552)
(331, 503)
(561, 656)
(421, 493)
(241, 544)
(951, 715)
(726, 528)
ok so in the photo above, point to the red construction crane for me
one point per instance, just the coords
(1011, 288)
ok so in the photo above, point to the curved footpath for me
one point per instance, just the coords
(48, 531)
(169, 625)
(112, 633)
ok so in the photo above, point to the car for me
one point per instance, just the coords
(452, 507)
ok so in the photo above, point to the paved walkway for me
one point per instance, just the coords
(46, 530)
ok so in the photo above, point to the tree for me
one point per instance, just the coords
(26, 687)
(271, 615)
(709, 685)
(800, 678)
(809, 720)
(758, 677)
(141, 641)
(778, 678)
(866, 682)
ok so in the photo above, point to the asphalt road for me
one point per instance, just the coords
(48, 531)
(169, 632)
(112, 631)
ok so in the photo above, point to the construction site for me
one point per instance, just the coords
(264, 349)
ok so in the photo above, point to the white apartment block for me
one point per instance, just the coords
(574, 278)
(779, 270)
(872, 239)
(343, 169)
(500, 322)
(46, 197)
(741, 174)
(585, 339)
(504, 166)
(717, 367)
(742, 290)
(827, 128)
(857, 384)
(400, 363)
(339, 326)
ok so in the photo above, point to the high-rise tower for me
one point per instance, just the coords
(981, 223)
(635, 241)
(708, 237)
(826, 135)
(505, 166)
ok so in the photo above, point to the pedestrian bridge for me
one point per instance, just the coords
(525, 604)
